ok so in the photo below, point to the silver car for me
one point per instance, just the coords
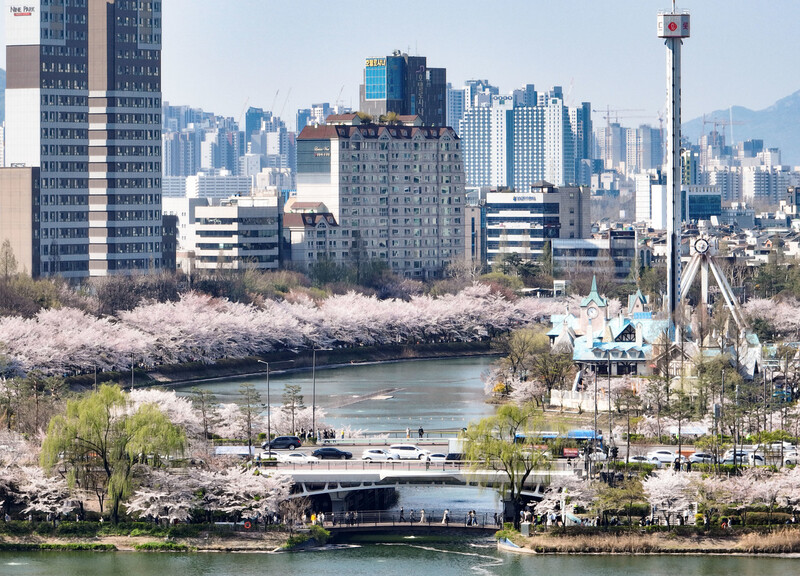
(378, 455)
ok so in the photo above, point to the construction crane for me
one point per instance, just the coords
(717, 122)
(244, 110)
(289, 93)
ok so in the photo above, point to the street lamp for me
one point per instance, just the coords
(314, 388)
(269, 408)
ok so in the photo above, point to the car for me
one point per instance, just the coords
(295, 457)
(408, 451)
(742, 458)
(702, 458)
(378, 455)
(436, 457)
(598, 455)
(283, 442)
(790, 459)
(639, 460)
(661, 456)
(332, 453)
(454, 456)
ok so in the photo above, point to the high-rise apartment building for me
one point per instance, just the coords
(525, 137)
(396, 190)
(405, 85)
(84, 106)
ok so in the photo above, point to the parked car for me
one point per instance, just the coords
(639, 460)
(661, 456)
(296, 457)
(378, 455)
(437, 457)
(790, 458)
(598, 455)
(702, 458)
(408, 451)
(741, 458)
(332, 453)
(283, 442)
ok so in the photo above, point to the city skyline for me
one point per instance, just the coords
(219, 60)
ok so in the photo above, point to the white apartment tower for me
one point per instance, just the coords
(396, 190)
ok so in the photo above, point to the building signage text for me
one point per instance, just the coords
(372, 62)
(322, 151)
(22, 10)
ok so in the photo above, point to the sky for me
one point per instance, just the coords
(226, 55)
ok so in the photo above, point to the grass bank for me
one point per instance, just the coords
(778, 541)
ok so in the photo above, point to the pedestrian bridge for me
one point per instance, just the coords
(384, 522)
(337, 481)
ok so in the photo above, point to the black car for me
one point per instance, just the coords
(331, 453)
(283, 442)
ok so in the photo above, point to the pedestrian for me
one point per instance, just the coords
(411, 517)
(408, 433)
(7, 518)
(421, 432)
(496, 523)
(422, 516)
(446, 517)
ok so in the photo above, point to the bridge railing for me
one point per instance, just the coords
(433, 519)
(394, 465)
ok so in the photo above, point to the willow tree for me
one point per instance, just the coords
(502, 443)
(101, 440)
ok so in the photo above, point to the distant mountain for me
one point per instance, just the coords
(778, 126)
(2, 94)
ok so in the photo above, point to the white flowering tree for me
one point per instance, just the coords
(242, 492)
(40, 493)
(165, 497)
(668, 492)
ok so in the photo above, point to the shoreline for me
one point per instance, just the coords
(180, 375)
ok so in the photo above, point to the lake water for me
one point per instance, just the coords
(412, 558)
(435, 394)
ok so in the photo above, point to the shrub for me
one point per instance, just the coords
(296, 540)
(78, 529)
(320, 534)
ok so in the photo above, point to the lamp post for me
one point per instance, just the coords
(610, 416)
(314, 388)
(269, 408)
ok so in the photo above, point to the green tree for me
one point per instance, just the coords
(492, 444)
(101, 439)
(205, 402)
(8, 262)
(621, 497)
(292, 402)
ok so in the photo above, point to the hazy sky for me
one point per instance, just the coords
(221, 54)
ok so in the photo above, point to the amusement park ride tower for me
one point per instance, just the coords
(674, 28)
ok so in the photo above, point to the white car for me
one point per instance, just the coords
(598, 455)
(408, 451)
(295, 457)
(437, 457)
(661, 457)
(790, 459)
(378, 455)
(639, 460)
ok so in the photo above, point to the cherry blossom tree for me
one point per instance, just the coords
(242, 492)
(573, 490)
(165, 497)
(668, 492)
(44, 494)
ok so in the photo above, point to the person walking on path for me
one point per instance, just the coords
(446, 517)
(402, 514)
(408, 433)
(422, 516)
(411, 516)
(421, 432)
